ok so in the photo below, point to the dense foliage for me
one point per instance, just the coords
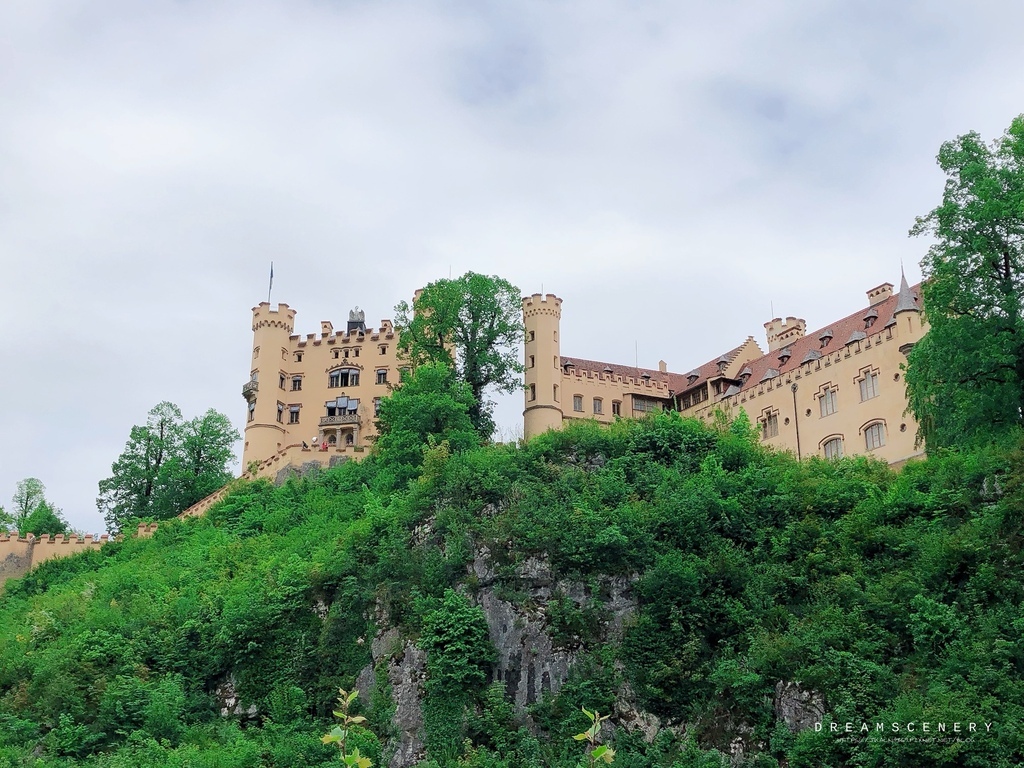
(167, 465)
(965, 378)
(897, 596)
(473, 325)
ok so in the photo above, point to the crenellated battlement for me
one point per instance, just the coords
(386, 331)
(20, 554)
(639, 382)
(542, 304)
(282, 318)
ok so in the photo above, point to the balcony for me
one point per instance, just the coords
(345, 418)
(249, 390)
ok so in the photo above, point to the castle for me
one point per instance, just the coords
(834, 392)
(313, 399)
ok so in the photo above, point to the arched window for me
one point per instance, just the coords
(874, 436)
(833, 448)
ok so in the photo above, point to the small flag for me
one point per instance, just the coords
(271, 286)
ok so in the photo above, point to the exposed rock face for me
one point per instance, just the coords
(797, 707)
(230, 704)
(406, 669)
(406, 676)
(528, 663)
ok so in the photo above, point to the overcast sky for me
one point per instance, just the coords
(672, 170)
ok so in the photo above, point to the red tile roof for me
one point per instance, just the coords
(677, 382)
(841, 330)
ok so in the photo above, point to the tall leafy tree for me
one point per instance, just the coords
(198, 464)
(167, 465)
(431, 406)
(28, 494)
(965, 378)
(32, 513)
(472, 324)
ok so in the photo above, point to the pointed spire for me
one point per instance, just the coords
(905, 300)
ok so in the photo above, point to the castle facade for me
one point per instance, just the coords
(313, 398)
(834, 392)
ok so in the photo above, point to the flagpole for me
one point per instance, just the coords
(271, 286)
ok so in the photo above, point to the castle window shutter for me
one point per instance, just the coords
(342, 402)
(353, 405)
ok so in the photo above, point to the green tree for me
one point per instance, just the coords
(32, 512)
(472, 324)
(965, 378)
(45, 519)
(28, 494)
(198, 463)
(430, 407)
(167, 465)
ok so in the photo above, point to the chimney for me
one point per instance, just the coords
(879, 294)
(663, 366)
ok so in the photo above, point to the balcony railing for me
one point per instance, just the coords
(249, 389)
(345, 418)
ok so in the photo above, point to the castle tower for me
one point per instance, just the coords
(271, 329)
(541, 316)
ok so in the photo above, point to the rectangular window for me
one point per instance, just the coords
(376, 406)
(616, 408)
(298, 357)
(382, 377)
(645, 405)
(280, 381)
(280, 413)
(770, 426)
(598, 406)
(532, 392)
(531, 335)
(383, 349)
(874, 436)
(828, 401)
(532, 362)
(577, 403)
(343, 378)
(252, 410)
(555, 391)
(296, 383)
(293, 414)
(869, 386)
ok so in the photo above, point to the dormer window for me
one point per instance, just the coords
(692, 376)
(784, 355)
(746, 373)
(825, 338)
(870, 318)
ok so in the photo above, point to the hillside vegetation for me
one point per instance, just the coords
(895, 596)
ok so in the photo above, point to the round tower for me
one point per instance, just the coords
(541, 316)
(271, 330)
